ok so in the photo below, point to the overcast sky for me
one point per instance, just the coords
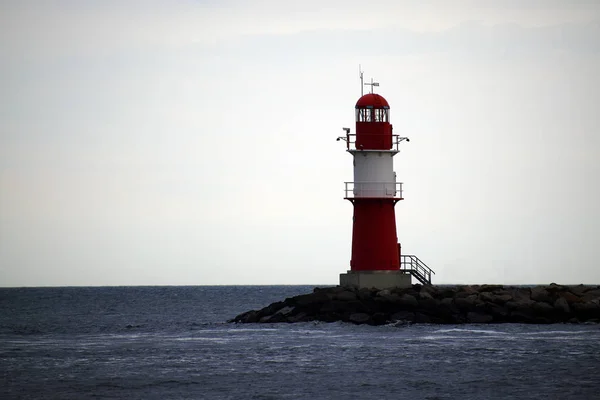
(193, 142)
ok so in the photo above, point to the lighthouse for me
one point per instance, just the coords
(376, 259)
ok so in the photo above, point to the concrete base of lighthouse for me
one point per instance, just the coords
(376, 279)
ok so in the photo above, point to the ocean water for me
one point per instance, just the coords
(174, 343)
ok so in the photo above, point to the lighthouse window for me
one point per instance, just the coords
(381, 115)
(364, 115)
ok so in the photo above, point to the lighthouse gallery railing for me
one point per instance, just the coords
(351, 141)
(373, 189)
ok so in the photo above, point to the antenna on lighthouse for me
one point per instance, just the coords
(372, 84)
(360, 74)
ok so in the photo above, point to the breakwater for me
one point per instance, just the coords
(437, 304)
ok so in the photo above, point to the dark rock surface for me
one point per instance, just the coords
(440, 305)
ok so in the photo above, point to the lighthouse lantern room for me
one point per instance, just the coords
(376, 259)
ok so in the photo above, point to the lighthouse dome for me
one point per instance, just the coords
(372, 100)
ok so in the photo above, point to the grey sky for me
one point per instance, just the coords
(194, 142)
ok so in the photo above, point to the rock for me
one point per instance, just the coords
(364, 294)
(447, 305)
(570, 297)
(542, 308)
(275, 318)
(590, 295)
(562, 306)
(578, 290)
(541, 294)
(406, 300)
(501, 299)
(478, 318)
(438, 305)
(421, 318)
(425, 295)
(403, 316)
(487, 296)
(519, 294)
(586, 311)
(519, 305)
(379, 318)
(555, 288)
(345, 296)
(247, 317)
(466, 303)
(490, 288)
(523, 317)
(300, 317)
(429, 304)
(332, 290)
(285, 310)
(447, 293)
(499, 312)
(391, 298)
(359, 318)
(430, 290)
(464, 291)
(308, 300)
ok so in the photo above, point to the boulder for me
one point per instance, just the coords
(562, 306)
(390, 298)
(590, 295)
(479, 318)
(502, 298)
(285, 310)
(522, 316)
(431, 290)
(359, 318)
(332, 290)
(555, 288)
(447, 293)
(275, 318)
(499, 312)
(425, 295)
(345, 295)
(300, 317)
(519, 294)
(519, 305)
(578, 290)
(364, 294)
(466, 303)
(490, 288)
(464, 291)
(312, 299)
(403, 316)
(586, 311)
(541, 294)
(421, 318)
(487, 296)
(408, 301)
(448, 304)
(542, 308)
(570, 297)
(428, 304)
(248, 317)
(379, 318)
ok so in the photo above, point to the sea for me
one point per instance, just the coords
(174, 342)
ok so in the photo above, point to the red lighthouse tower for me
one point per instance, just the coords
(376, 259)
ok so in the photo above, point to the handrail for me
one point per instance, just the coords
(391, 190)
(417, 267)
(351, 140)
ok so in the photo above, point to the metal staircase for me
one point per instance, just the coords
(416, 268)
